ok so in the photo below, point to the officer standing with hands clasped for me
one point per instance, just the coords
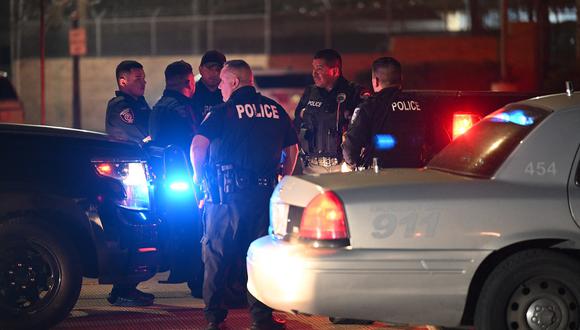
(127, 119)
(389, 126)
(324, 112)
(244, 137)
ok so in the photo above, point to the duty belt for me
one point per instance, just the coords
(322, 161)
(225, 179)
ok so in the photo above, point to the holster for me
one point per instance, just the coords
(218, 182)
(210, 185)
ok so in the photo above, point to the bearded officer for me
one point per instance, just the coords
(389, 126)
(245, 138)
(324, 112)
(207, 93)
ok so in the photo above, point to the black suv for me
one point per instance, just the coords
(72, 203)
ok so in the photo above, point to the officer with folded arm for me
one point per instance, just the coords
(244, 138)
(390, 125)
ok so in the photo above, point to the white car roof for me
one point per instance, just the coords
(554, 102)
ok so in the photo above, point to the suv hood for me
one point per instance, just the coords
(64, 141)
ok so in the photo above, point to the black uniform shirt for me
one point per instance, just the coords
(316, 112)
(127, 118)
(173, 120)
(249, 131)
(203, 98)
(391, 126)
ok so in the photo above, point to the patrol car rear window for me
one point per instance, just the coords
(481, 150)
(293, 80)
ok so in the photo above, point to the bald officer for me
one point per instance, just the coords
(245, 137)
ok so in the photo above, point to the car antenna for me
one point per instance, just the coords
(569, 88)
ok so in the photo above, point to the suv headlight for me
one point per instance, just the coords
(133, 176)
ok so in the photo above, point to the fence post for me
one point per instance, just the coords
(267, 27)
(153, 31)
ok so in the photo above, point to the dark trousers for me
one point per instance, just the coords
(230, 227)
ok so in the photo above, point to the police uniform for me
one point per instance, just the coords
(247, 135)
(127, 118)
(174, 120)
(317, 114)
(390, 126)
(204, 99)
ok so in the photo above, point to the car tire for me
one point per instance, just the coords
(532, 289)
(40, 275)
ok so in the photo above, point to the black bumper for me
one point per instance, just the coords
(127, 244)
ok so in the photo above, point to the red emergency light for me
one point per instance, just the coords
(105, 169)
(462, 122)
(147, 249)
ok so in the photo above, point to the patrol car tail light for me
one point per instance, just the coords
(133, 176)
(324, 218)
(462, 122)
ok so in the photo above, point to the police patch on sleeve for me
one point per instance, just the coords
(354, 115)
(127, 116)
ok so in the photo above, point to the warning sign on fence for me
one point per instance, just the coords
(77, 41)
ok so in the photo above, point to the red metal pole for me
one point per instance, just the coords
(42, 85)
(503, 40)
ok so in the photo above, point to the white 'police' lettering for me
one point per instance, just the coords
(317, 104)
(251, 111)
(406, 106)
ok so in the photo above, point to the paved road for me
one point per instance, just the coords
(175, 309)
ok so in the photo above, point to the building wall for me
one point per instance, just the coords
(457, 62)
(444, 62)
(97, 86)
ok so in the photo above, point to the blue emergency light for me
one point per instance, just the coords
(517, 117)
(384, 141)
(179, 186)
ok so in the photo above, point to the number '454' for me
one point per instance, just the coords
(541, 168)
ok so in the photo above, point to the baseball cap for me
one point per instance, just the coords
(213, 57)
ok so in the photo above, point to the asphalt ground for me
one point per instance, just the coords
(174, 308)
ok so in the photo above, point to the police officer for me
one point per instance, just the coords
(127, 119)
(390, 125)
(174, 121)
(324, 112)
(207, 93)
(128, 113)
(244, 138)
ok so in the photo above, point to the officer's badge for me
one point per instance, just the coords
(127, 116)
(206, 109)
(354, 114)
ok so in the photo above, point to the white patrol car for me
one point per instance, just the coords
(487, 234)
